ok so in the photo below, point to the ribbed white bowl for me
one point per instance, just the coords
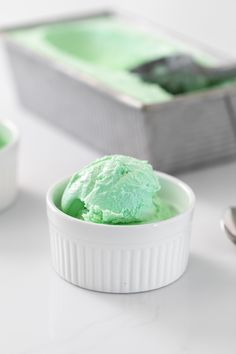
(119, 258)
(8, 165)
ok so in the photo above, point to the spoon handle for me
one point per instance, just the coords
(222, 72)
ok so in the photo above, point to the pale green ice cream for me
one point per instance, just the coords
(2, 143)
(4, 137)
(115, 189)
(105, 49)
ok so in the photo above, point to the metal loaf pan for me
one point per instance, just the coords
(189, 131)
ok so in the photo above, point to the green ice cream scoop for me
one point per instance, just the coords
(115, 189)
(2, 143)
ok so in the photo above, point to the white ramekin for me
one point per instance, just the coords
(8, 164)
(119, 258)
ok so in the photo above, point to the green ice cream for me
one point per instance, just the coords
(2, 143)
(115, 189)
(105, 49)
(4, 136)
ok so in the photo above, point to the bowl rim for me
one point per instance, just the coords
(185, 187)
(15, 135)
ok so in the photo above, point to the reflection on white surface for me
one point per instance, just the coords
(102, 310)
(187, 316)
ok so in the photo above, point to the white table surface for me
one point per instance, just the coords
(41, 313)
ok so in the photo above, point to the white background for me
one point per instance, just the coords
(42, 314)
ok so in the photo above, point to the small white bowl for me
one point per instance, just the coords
(8, 163)
(122, 258)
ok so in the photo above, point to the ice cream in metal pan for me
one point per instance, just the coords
(107, 49)
(76, 72)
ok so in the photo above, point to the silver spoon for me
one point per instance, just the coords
(181, 73)
(228, 223)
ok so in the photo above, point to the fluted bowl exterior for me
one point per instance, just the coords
(120, 258)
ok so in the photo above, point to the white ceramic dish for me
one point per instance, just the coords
(119, 258)
(8, 163)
